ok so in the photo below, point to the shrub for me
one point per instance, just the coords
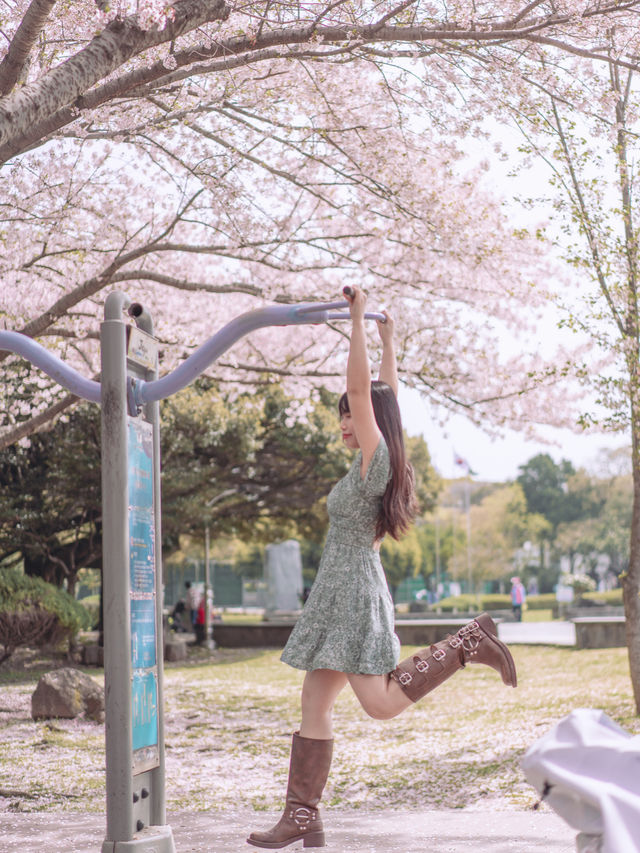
(458, 602)
(544, 601)
(611, 597)
(91, 604)
(495, 601)
(33, 612)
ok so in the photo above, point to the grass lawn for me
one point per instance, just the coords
(537, 615)
(229, 721)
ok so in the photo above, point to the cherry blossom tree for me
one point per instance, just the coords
(582, 120)
(210, 156)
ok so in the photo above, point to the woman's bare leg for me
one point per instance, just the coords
(319, 691)
(380, 696)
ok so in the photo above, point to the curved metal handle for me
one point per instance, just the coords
(205, 355)
(328, 310)
(50, 364)
(188, 370)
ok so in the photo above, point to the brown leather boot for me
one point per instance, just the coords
(475, 642)
(308, 772)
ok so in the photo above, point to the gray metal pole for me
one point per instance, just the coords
(207, 582)
(135, 778)
(115, 538)
(158, 814)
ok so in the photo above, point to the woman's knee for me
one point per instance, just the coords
(376, 709)
(372, 692)
(320, 689)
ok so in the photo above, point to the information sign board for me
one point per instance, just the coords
(142, 595)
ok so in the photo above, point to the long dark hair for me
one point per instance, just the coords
(399, 506)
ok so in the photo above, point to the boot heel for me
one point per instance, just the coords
(314, 839)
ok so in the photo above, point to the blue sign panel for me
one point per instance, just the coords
(142, 552)
(140, 464)
(143, 632)
(142, 595)
(144, 695)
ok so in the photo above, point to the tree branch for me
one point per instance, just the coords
(585, 220)
(25, 37)
(108, 51)
(37, 111)
(183, 284)
(40, 421)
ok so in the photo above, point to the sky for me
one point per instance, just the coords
(496, 459)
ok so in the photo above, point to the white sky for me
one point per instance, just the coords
(496, 459)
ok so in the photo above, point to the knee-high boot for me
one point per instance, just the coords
(475, 642)
(301, 821)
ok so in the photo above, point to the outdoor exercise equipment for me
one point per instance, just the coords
(129, 393)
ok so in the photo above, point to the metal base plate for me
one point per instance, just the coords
(152, 839)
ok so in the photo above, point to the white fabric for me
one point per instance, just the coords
(593, 768)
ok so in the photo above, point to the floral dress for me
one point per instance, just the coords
(347, 623)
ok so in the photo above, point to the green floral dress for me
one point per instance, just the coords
(347, 623)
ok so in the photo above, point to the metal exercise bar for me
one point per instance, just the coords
(192, 367)
(50, 364)
(205, 355)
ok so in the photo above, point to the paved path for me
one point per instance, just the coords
(538, 633)
(459, 831)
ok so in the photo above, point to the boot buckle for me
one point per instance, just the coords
(439, 654)
(405, 678)
(422, 665)
(455, 642)
(302, 817)
(470, 643)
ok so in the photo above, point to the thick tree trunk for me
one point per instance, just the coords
(631, 578)
(109, 50)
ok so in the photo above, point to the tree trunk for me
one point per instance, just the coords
(631, 578)
(107, 51)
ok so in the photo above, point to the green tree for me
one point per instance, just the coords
(606, 531)
(500, 525)
(256, 466)
(50, 504)
(439, 540)
(428, 481)
(544, 483)
(557, 493)
(401, 559)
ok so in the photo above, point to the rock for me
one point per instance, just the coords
(175, 649)
(67, 693)
(93, 655)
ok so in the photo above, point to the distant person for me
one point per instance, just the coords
(176, 616)
(518, 597)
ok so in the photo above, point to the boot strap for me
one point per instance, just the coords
(465, 642)
(302, 817)
(468, 637)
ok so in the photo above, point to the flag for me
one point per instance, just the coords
(461, 462)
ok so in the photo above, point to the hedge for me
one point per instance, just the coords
(545, 601)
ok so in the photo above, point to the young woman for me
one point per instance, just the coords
(345, 634)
